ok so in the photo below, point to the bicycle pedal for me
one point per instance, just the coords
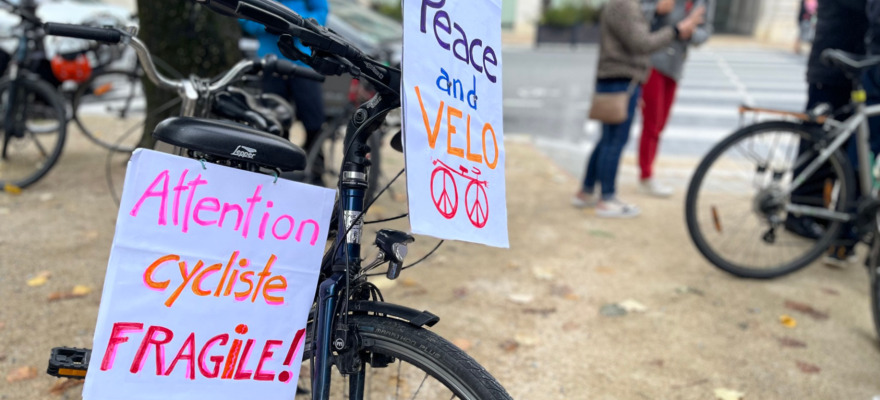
(69, 362)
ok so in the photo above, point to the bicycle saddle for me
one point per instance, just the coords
(851, 64)
(232, 141)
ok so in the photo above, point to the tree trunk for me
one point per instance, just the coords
(189, 38)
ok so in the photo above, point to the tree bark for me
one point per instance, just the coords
(189, 38)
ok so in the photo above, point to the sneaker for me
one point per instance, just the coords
(653, 188)
(616, 209)
(840, 256)
(583, 200)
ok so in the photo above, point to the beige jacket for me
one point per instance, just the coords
(627, 42)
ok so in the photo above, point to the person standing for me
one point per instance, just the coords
(304, 94)
(658, 94)
(806, 24)
(624, 51)
(840, 24)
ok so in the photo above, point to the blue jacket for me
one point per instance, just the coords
(316, 9)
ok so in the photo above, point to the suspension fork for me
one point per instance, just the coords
(346, 261)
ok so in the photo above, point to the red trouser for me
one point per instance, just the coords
(657, 94)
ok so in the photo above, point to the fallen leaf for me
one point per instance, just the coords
(21, 374)
(789, 342)
(399, 197)
(540, 311)
(462, 343)
(80, 290)
(92, 235)
(521, 298)
(787, 321)
(631, 305)
(571, 296)
(40, 279)
(830, 291)
(11, 189)
(526, 339)
(460, 292)
(808, 368)
(509, 345)
(46, 196)
(570, 326)
(2, 324)
(743, 325)
(62, 385)
(409, 282)
(612, 310)
(656, 363)
(605, 270)
(728, 394)
(806, 309)
(5, 211)
(2, 357)
(542, 274)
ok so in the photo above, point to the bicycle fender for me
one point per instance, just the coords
(412, 316)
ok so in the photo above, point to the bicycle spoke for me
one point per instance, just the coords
(419, 389)
(38, 144)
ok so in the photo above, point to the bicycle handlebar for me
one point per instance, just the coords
(287, 68)
(104, 35)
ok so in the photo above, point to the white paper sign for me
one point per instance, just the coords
(453, 123)
(211, 276)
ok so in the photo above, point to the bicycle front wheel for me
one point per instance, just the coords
(32, 138)
(742, 213)
(109, 109)
(401, 361)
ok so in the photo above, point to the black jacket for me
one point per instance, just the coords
(873, 38)
(840, 24)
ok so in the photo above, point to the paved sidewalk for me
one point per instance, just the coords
(530, 314)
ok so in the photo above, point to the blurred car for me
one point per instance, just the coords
(375, 34)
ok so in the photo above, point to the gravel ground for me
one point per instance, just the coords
(530, 314)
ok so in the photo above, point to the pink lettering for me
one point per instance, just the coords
(163, 176)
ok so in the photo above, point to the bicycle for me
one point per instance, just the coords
(34, 125)
(749, 185)
(350, 326)
(85, 78)
(475, 198)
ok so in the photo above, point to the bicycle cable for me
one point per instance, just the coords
(425, 257)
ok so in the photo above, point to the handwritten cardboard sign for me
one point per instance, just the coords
(453, 123)
(211, 276)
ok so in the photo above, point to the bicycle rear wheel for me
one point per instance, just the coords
(109, 109)
(34, 141)
(873, 264)
(737, 203)
(402, 361)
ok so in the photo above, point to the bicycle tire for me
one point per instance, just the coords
(873, 264)
(125, 131)
(428, 353)
(839, 166)
(44, 104)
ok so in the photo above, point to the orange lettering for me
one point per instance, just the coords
(197, 283)
(494, 162)
(148, 274)
(450, 130)
(471, 156)
(432, 137)
(270, 287)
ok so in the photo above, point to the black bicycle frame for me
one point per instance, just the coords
(346, 261)
(23, 60)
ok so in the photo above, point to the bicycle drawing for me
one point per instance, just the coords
(475, 198)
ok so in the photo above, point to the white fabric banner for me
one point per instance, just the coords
(452, 119)
(211, 276)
